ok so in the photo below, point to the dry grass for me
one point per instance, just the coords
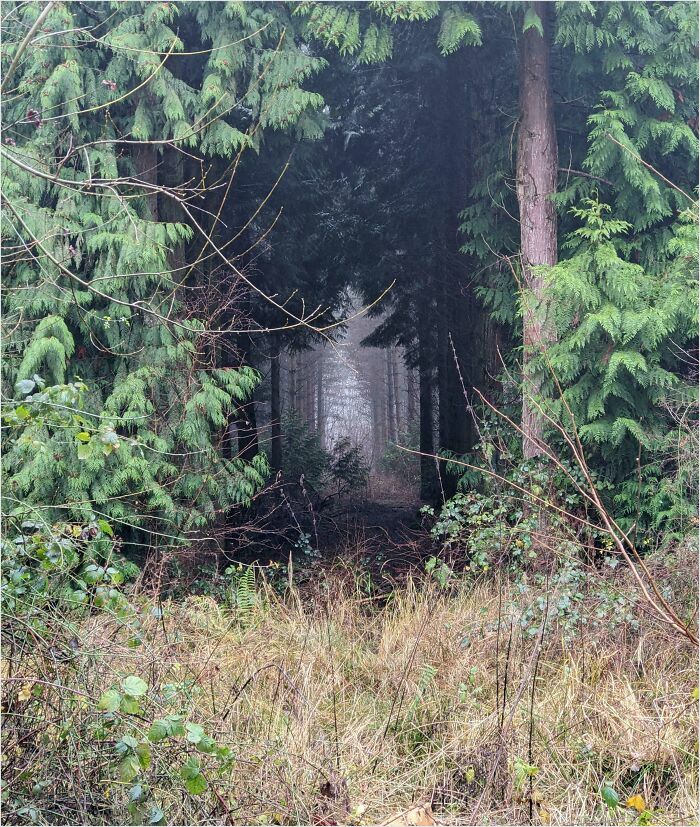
(337, 711)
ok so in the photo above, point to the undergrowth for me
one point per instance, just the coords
(322, 708)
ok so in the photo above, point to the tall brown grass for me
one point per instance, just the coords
(342, 708)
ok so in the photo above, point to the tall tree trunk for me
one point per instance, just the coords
(275, 410)
(390, 409)
(293, 383)
(536, 183)
(410, 398)
(428, 471)
(320, 411)
(377, 444)
(397, 392)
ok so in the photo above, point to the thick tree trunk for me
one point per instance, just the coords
(536, 183)
(275, 412)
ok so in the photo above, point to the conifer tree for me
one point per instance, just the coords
(113, 118)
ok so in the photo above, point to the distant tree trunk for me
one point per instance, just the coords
(293, 383)
(380, 390)
(320, 412)
(377, 444)
(396, 393)
(390, 410)
(536, 184)
(275, 410)
(410, 399)
(311, 390)
(428, 472)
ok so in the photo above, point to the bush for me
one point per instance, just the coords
(341, 470)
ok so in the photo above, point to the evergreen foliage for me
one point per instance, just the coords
(92, 283)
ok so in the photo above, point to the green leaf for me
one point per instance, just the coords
(609, 796)
(105, 528)
(83, 436)
(129, 768)
(206, 745)
(195, 733)
(129, 705)
(25, 386)
(143, 753)
(136, 792)
(156, 816)
(532, 21)
(109, 701)
(159, 731)
(134, 686)
(196, 785)
(84, 451)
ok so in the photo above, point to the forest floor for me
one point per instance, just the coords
(380, 533)
(368, 693)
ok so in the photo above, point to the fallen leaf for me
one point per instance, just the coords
(545, 815)
(637, 803)
(419, 816)
(25, 693)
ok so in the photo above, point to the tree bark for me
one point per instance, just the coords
(410, 399)
(428, 471)
(536, 184)
(275, 411)
(396, 391)
(293, 382)
(390, 409)
(320, 401)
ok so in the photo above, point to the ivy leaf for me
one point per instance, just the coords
(134, 686)
(109, 701)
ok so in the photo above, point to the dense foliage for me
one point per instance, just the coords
(197, 197)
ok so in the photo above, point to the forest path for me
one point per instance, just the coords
(381, 533)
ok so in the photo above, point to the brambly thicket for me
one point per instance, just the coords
(349, 412)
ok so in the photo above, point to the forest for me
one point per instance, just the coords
(349, 418)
